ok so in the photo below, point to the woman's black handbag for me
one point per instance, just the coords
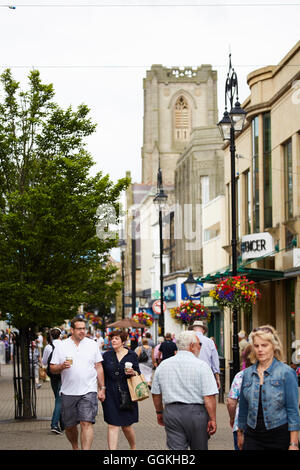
(126, 404)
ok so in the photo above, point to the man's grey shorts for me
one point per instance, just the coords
(77, 408)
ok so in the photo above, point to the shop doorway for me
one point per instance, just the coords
(216, 329)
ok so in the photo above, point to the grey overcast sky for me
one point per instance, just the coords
(98, 52)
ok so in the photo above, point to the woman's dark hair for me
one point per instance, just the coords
(246, 355)
(123, 334)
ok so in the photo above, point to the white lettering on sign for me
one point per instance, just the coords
(256, 245)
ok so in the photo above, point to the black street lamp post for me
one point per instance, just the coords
(160, 201)
(122, 245)
(133, 267)
(233, 122)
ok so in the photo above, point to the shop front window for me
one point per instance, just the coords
(267, 170)
(247, 202)
(288, 180)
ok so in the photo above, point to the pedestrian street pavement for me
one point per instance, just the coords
(36, 435)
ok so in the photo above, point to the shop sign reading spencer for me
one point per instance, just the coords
(256, 245)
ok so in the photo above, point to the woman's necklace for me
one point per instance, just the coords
(261, 369)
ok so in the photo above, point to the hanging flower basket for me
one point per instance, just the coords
(97, 322)
(189, 311)
(144, 318)
(235, 291)
(93, 320)
(88, 315)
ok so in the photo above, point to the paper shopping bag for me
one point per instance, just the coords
(138, 388)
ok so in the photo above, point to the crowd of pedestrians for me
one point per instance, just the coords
(183, 374)
(82, 372)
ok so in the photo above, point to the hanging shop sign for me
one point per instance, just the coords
(170, 293)
(256, 245)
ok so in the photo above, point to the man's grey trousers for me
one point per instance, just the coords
(186, 426)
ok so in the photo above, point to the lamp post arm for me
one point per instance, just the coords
(231, 85)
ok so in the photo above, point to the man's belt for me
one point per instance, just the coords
(183, 403)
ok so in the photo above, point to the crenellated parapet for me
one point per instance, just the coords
(187, 74)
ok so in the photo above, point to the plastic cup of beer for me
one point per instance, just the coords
(69, 359)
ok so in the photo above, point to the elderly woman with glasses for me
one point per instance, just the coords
(268, 413)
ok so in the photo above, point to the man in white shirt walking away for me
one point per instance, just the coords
(78, 360)
(183, 392)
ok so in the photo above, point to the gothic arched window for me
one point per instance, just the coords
(182, 119)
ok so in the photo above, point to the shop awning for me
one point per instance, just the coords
(253, 274)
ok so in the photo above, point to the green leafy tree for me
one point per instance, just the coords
(103, 288)
(50, 254)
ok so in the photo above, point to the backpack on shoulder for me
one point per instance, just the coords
(143, 356)
(48, 371)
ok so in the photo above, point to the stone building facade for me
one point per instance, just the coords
(199, 177)
(268, 196)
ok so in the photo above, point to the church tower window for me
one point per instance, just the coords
(182, 119)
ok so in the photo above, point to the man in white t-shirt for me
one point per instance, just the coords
(78, 360)
(99, 340)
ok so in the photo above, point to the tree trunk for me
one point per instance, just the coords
(24, 377)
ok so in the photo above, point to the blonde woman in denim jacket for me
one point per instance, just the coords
(268, 412)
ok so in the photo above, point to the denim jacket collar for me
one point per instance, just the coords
(267, 371)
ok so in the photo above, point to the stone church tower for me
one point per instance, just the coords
(176, 100)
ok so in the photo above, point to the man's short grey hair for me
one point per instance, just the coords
(185, 339)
